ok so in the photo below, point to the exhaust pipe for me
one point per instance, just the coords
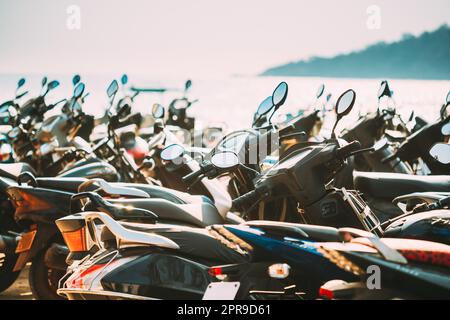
(8, 244)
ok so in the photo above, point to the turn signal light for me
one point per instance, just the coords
(76, 240)
(279, 270)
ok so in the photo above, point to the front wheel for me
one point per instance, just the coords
(44, 280)
(7, 276)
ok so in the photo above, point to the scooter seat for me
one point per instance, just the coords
(13, 170)
(196, 214)
(391, 185)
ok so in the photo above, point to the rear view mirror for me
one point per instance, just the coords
(384, 90)
(447, 99)
(20, 83)
(172, 152)
(225, 160)
(53, 84)
(158, 111)
(50, 86)
(280, 94)
(441, 152)
(320, 91)
(76, 79)
(264, 106)
(79, 90)
(44, 81)
(112, 89)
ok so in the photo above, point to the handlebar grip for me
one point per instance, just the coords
(346, 150)
(192, 176)
(247, 199)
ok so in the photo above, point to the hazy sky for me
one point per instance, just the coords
(198, 37)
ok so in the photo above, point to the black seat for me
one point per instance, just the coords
(196, 214)
(65, 184)
(391, 185)
(192, 242)
(13, 170)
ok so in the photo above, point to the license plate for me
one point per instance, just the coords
(26, 241)
(221, 291)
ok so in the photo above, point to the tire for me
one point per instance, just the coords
(43, 280)
(7, 276)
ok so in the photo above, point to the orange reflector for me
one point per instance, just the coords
(76, 240)
(26, 241)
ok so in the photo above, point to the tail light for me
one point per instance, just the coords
(76, 240)
(25, 202)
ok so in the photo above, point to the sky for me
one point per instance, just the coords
(197, 37)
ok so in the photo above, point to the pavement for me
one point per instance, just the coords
(20, 290)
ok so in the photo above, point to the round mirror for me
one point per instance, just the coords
(380, 144)
(445, 130)
(20, 83)
(112, 89)
(264, 106)
(447, 99)
(382, 89)
(441, 152)
(53, 84)
(279, 94)
(225, 160)
(44, 81)
(172, 152)
(329, 97)
(76, 79)
(79, 90)
(187, 85)
(124, 79)
(158, 111)
(320, 91)
(345, 102)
